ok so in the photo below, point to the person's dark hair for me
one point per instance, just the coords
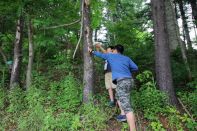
(119, 48)
(111, 47)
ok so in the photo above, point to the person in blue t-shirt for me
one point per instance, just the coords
(122, 68)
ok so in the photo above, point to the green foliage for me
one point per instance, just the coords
(174, 118)
(16, 100)
(53, 102)
(2, 98)
(63, 60)
(157, 126)
(178, 68)
(125, 127)
(90, 117)
(3, 77)
(150, 100)
(32, 119)
(189, 123)
(96, 9)
(52, 109)
(154, 104)
(193, 84)
(68, 92)
(190, 99)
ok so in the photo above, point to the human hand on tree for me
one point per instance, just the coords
(90, 49)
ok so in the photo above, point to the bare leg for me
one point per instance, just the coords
(122, 112)
(131, 121)
(111, 96)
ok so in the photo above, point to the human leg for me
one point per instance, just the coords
(123, 92)
(111, 96)
(109, 86)
(131, 121)
(121, 110)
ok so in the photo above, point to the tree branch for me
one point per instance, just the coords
(57, 26)
(81, 30)
(184, 107)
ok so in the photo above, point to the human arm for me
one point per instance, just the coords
(99, 54)
(98, 46)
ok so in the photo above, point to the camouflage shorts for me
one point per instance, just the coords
(123, 90)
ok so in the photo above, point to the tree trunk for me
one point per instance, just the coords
(88, 63)
(194, 10)
(162, 52)
(15, 74)
(172, 26)
(95, 35)
(174, 34)
(31, 54)
(185, 26)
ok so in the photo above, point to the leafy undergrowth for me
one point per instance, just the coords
(54, 102)
(154, 112)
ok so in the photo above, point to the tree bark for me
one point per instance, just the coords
(194, 10)
(172, 26)
(15, 74)
(31, 55)
(185, 26)
(88, 62)
(162, 51)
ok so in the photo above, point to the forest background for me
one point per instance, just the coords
(49, 81)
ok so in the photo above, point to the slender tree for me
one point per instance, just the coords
(88, 62)
(15, 74)
(162, 51)
(185, 25)
(174, 34)
(194, 10)
(31, 54)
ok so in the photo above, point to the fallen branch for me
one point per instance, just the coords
(57, 26)
(184, 107)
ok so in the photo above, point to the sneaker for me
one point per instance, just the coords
(121, 118)
(111, 104)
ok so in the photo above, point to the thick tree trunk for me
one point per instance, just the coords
(194, 10)
(185, 26)
(162, 51)
(172, 26)
(15, 74)
(31, 55)
(88, 62)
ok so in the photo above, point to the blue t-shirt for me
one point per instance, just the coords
(121, 65)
